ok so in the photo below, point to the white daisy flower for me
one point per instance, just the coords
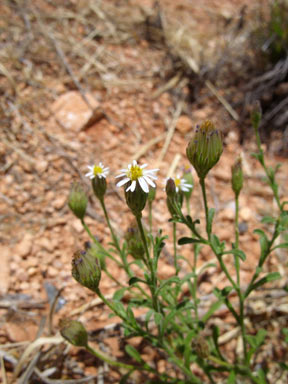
(181, 184)
(97, 171)
(135, 173)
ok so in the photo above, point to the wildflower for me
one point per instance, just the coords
(86, 269)
(74, 332)
(77, 201)
(136, 175)
(97, 171)
(205, 148)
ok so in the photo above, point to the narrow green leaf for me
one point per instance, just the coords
(232, 378)
(133, 353)
(264, 244)
(282, 245)
(171, 280)
(266, 279)
(236, 252)
(213, 308)
(188, 240)
(119, 294)
(135, 280)
(211, 214)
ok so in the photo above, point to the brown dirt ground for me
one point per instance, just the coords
(46, 144)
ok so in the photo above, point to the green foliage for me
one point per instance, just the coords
(172, 322)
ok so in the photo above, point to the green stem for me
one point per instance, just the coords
(150, 216)
(114, 237)
(107, 360)
(188, 205)
(203, 188)
(175, 248)
(149, 263)
(236, 258)
(85, 226)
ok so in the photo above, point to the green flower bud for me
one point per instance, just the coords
(134, 242)
(170, 188)
(77, 201)
(136, 200)
(174, 199)
(237, 176)
(86, 269)
(74, 332)
(201, 347)
(256, 114)
(151, 194)
(98, 254)
(99, 186)
(205, 148)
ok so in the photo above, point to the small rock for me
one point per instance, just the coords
(59, 202)
(41, 166)
(46, 243)
(24, 248)
(245, 214)
(4, 270)
(73, 112)
(184, 124)
(77, 226)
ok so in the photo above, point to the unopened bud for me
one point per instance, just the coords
(237, 176)
(99, 186)
(201, 347)
(170, 188)
(256, 114)
(74, 332)
(174, 199)
(86, 269)
(136, 200)
(134, 242)
(77, 201)
(205, 148)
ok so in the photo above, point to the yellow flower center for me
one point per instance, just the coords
(97, 170)
(177, 182)
(134, 172)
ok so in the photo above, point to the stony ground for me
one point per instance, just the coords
(78, 88)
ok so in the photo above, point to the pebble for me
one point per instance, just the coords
(5, 269)
(24, 248)
(184, 124)
(59, 202)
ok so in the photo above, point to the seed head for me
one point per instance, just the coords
(134, 242)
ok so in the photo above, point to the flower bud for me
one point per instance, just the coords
(74, 332)
(99, 186)
(77, 201)
(86, 269)
(174, 199)
(136, 200)
(237, 176)
(170, 188)
(205, 148)
(201, 347)
(134, 242)
(256, 114)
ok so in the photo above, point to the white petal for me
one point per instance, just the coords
(133, 186)
(143, 166)
(134, 162)
(146, 178)
(184, 189)
(122, 182)
(177, 189)
(91, 167)
(147, 174)
(143, 184)
(121, 175)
